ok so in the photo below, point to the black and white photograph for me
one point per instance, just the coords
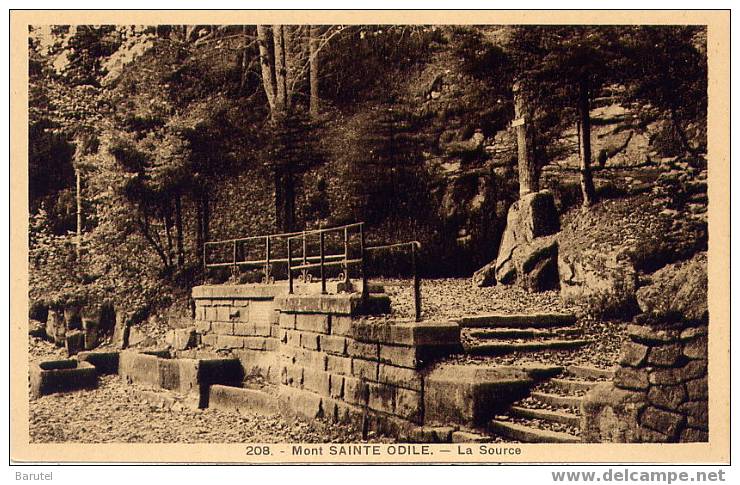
(337, 235)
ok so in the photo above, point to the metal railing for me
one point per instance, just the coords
(350, 255)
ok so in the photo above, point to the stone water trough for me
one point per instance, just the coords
(188, 377)
(62, 375)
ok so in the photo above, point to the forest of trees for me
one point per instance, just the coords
(132, 129)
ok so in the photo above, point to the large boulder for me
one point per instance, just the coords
(677, 290)
(527, 255)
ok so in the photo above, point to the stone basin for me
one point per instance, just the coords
(61, 376)
(190, 377)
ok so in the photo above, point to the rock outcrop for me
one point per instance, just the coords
(527, 255)
(677, 290)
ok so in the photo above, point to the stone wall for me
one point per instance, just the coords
(659, 392)
(323, 356)
(241, 320)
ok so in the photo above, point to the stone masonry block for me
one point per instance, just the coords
(286, 320)
(230, 342)
(310, 340)
(261, 312)
(309, 358)
(400, 377)
(262, 329)
(243, 329)
(223, 328)
(313, 322)
(697, 414)
(336, 386)
(342, 325)
(203, 302)
(410, 334)
(355, 391)
(692, 370)
(667, 397)
(223, 314)
(696, 348)
(202, 326)
(294, 338)
(697, 389)
(240, 400)
(316, 380)
(299, 402)
(401, 356)
(333, 344)
(381, 397)
(256, 343)
(362, 350)
(664, 422)
(211, 314)
(664, 355)
(339, 365)
(409, 405)
(365, 369)
(210, 340)
(628, 378)
(292, 375)
(633, 354)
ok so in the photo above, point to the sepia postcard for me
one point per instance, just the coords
(370, 236)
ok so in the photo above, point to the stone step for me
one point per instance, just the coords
(555, 416)
(557, 400)
(573, 385)
(509, 347)
(503, 333)
(519, 320)
(529, 434)
(585, 372)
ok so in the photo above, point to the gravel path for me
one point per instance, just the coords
(446, 298)
(112, 413)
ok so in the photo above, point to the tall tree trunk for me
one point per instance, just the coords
(78, 197)
(584, 117)
(178, 232)
(281, 103)
(313, 73)
(199, 233)
(528, 174)
(267, 66)
(168, 234)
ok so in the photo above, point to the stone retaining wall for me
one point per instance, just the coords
(324, 357)
(659, 392)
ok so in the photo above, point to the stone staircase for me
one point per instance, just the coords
(552, 411)
(497, 334)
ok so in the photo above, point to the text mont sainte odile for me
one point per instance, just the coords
(408, 450)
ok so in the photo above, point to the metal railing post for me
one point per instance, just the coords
(267, 259)
(233, 261)
(363, 264)
(304, 272)
(346, 258)
(417, 283)
(290, 269)
(205, 261)
(321, 264)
